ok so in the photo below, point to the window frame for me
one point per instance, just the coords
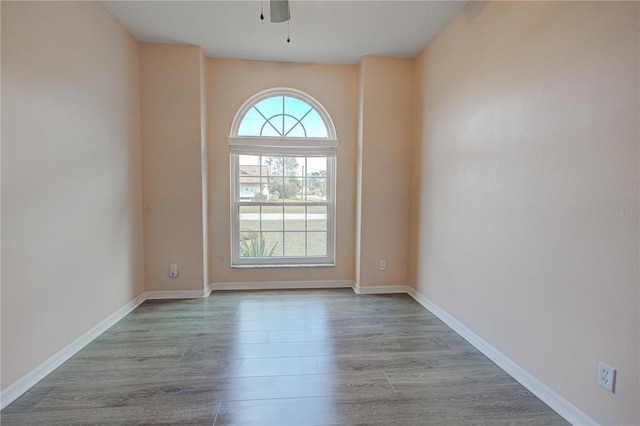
(282, 146)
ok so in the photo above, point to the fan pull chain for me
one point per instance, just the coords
(288, 22)
(262, 10)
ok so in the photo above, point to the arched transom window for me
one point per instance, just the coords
(283, 152)
(283, 116)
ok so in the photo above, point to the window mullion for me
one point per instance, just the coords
(305, 172)
(260, 234)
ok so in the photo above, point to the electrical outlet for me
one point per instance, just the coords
(382, 265)
(173, 270)
(606, 376)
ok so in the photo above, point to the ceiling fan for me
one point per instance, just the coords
(280, 12)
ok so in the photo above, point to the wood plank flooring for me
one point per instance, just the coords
(325, 357)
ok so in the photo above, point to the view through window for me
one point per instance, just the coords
(283, 175)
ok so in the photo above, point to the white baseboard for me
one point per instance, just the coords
(548, 396)
(539, 389)
(381, 289)
(280, 285)
(26, 382)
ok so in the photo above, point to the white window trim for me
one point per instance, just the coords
(287, 143)
(257, 145)
(283, 261)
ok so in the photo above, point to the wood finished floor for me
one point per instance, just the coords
(276, 358)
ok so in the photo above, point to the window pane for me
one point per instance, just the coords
(294, 219)
(295, 106)
(249, 218)
(316, 166)
(293, 189)
(272, 244)
(293, 166)
(249, 244)
(249, 160)
(316, 189)
(317, 218)
(251, 123)
(314, 125)
(273, 127)
(272, 218)
(274, 165)
(276, 189)
(317, 244)
(292, 128)
(250, 184)
(256, 244)
(317, 179)
(270, 106)
(294, 243)
(271, 111)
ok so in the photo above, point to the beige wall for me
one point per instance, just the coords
(71, 182)
(528, 196)
(173, 148)
(386, 95)
(232, 82)
(523, 166)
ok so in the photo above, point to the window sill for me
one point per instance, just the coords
(301, 265)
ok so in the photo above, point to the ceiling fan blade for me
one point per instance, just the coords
(280, 10)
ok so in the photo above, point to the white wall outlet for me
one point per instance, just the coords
(606, 376)
(173, 270)
(382, 265)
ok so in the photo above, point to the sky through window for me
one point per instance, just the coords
(283, 116)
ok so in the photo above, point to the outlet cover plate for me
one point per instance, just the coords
(173, 270)
(606, 376)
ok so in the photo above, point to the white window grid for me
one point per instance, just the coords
(287, 147)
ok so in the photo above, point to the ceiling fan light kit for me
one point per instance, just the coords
(280, 12)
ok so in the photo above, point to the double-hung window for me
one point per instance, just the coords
(283, 162)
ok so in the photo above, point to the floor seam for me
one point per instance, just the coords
(217, 412)
(391, 384)
(185, 351)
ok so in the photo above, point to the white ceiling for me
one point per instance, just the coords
(322, 31)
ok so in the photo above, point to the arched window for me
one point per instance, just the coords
(283, 152)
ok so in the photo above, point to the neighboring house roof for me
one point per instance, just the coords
(251, 174)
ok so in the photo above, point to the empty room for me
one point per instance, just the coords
(320, 212)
